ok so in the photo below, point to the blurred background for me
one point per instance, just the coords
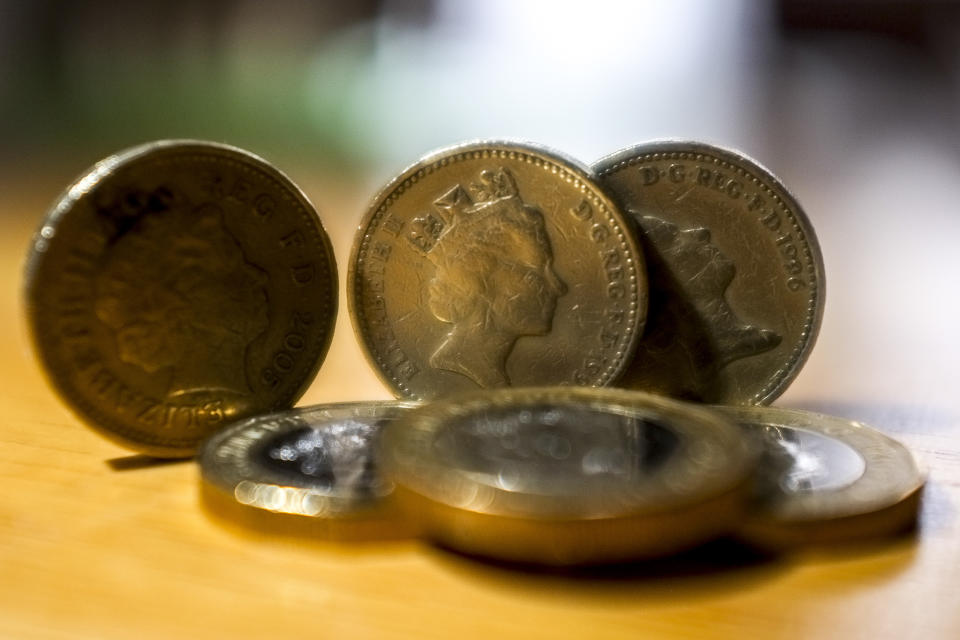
(855, 104)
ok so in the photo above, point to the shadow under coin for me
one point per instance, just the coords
(720, 565)
(854, 565)
(141, 461)
(904, 543)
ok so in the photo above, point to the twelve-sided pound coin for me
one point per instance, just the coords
(495, 264)
(736, 277)
(178, 286)
(824, 479)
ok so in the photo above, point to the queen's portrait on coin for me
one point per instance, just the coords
(695, 331)
(493, 278)
(180, 298)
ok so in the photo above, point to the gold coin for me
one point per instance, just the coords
(736, 276)
(568, 476)
(825, 479)
(177, 286)
(494, 264)
(279, 471)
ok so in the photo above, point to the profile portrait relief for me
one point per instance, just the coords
(492, 279)
(692, 331)
(181, 300)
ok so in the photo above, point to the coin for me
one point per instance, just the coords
(494, 264)
(736, 275)
(319, 461)
(826, 479)
(177, 286)
(567, 476)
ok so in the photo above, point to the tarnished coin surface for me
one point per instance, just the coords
(319, 461)
(178, 286)
(566, 476)
(495, 264)
(823, 479)
(736, 276)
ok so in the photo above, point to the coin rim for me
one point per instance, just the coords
(697, 421)
(891, 473)
(96, 419)
(786, 374)
(393, 189)
(227, 477)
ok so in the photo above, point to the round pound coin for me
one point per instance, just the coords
(736, 276)
(320, 461)
(568, 476)
(495, 264)
(824, 479)
(178, 286)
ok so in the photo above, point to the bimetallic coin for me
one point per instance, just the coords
(824, 479)
(568, 476)
(736, 276)
(178, 286)
(495, 264)
(319, 461)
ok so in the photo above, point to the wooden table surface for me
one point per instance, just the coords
(97, 543)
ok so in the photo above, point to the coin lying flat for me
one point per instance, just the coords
(177, 286)
(736, 276)
(495, 264)
(567, 476)
(319, 461)
(826, 479)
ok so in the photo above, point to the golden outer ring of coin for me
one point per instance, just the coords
(883, 501)
(785, 202)
(237, 489)
(698, 493)
(103, 422)
(569, 170)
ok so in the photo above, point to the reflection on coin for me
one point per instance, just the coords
(565, 476)
(736, 276)
(177, 286)
(319, 461)
(826, 479)
(495, 264)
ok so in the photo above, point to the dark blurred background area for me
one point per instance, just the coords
(854, 103)
(348, 85)
(84, 78)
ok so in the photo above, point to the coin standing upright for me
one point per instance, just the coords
(736, 275)
(177, 286)
(495, 264)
